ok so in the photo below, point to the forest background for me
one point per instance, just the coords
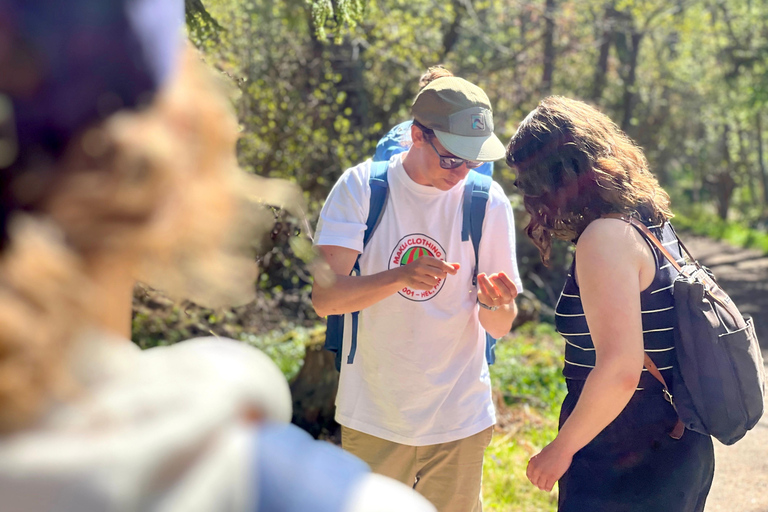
(316, 83)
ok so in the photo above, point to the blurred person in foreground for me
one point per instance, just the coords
(414, 397)
(619, 446)
(117, 162)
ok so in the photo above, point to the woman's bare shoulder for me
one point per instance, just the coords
(616, 243)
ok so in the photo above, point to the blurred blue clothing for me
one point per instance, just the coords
(84, 60)
(398, 139)
(296, 473)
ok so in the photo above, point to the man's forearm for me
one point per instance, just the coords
(354, 293)
(498, 323)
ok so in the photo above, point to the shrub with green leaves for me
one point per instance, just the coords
(528, 376)
(528, 368)
(700, 222)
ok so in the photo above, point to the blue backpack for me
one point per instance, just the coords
(476, 191)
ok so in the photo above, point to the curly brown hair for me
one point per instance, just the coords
(160, 186)
(575, 165)
(433, 73)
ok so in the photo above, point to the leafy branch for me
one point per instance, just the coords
(336, 15)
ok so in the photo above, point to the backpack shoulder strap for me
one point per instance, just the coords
(379, 190)
(648, 235)
(476, 192)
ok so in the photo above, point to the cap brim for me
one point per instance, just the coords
(476, 149)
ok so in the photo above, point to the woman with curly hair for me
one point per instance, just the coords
(619, 446)
(117, 162)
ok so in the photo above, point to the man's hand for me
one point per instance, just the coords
(424, 273)
(353, 293)
(495, 290)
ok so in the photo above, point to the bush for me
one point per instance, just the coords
(528, 368)
(702, 223)
(529, 389)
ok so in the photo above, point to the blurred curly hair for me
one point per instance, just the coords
(573, 165)
(160, 186)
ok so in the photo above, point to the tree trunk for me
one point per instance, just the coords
(748, 171)
(451, 33)
(724, 192)
(724, 181)
(449, 40)
(630, 96)
(314, 393)
(347, 61)
(601, 71)
(761, 161)
(549, 48)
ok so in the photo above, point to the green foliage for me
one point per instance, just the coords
(712, 226)
(687, 80)
(505, 486)
(200, 23)
(149, 330)
(528, 375)
(341, 12)
(528, 368)
(286, 347)
(277, 322)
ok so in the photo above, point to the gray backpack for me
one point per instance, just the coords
(719, 388)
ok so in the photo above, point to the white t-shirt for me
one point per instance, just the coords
(163, 430)
(419, 375)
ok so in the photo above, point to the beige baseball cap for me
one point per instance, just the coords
(460, 114)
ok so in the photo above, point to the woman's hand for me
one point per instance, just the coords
(546, 467)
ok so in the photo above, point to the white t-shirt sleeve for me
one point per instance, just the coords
(342, 219)
(497, 245)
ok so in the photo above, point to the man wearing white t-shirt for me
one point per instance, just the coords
(415, 403)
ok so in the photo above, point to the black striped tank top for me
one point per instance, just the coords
(657, 309)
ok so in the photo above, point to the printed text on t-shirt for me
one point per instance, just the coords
(411, 248)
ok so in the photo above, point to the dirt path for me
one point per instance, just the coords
(741, 470)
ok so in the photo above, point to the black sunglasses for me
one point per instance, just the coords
(452, 162)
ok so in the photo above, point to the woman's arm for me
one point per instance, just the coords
(613, 265)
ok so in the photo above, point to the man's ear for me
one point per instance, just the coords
(417, 136)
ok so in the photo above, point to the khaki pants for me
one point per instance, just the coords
(449, 474)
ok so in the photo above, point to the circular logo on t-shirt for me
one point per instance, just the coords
(409, 249)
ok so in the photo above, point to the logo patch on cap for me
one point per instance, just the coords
(478, 122)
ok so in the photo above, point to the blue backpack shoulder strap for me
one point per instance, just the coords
(379, 190)
(476, 193)
(334, 334)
